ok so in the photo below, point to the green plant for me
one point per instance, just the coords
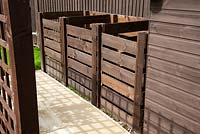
(37, 58)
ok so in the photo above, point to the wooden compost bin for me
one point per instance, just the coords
(102, 56)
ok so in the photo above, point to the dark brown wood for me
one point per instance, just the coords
(139, 85)
(96, 64)
(23, 75)
(64, 46)
(126, 27)
(56, 15)
(41, 41)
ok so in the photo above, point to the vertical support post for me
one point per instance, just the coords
(96, 64)
(64, 46)
(139, 82)
(41, 41)
(19, 38)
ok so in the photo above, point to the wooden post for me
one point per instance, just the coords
(96, 65)
(64, 46)
(139, 84)
(41, 41)
(19, 39)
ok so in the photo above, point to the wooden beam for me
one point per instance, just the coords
(19, 37)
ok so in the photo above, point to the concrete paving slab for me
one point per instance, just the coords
(61, 111)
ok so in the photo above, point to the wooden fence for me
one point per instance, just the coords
(104, 62)
(140, 8)
(18, 103)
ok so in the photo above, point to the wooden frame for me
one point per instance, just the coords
(19, 112)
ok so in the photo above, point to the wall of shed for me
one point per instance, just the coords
(172, 103)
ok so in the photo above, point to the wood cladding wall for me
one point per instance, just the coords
(172, 102)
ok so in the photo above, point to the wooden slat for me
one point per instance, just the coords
(177, 17)
(80, 44)
(181, 58)
(177, 118)
(53, 54)
(5, 122)
(52, 44)
(52, 35)
(118, 72)
(5, 106)
(2, 18)
(183, 45)
(79, 32)
(3, 43)
(118, 58)
(89, 19)
(56, 15)
(120, 44)
(80, 56)
(118, 86)
(186, 111)
(171, 80)
(176, 30)
(80, 78)
(80, 67)
(51, 25)
(125, 27)
(175, 69)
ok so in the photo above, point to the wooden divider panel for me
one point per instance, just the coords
(79, 54)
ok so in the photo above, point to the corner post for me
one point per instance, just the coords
(139, 82)
(96, 64)
(64, 46)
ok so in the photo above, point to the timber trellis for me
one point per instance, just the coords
(18, 103)
(101, 55)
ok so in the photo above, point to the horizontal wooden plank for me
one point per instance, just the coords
(171, 80)
(52, 34)
(56, 15)
(53, 54)
(50, 24)
(118, 72)
(178, 17)
(120, 44)
(175, 56)
(80, 67)
(175, 69)
(119, 58)
(173, 93)
(79, 56)
(79, 32)
(183, 45)
(79, 20)
(79, 44)
(118, 86)
(176, 30)
(177, 118)
(117, 99)
(80, 78)
(52, 44)
(125, 27)
(192, 5)
(180, 108)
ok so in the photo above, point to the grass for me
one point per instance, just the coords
(72, 88)
(37, 58)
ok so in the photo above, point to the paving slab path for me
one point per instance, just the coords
(61, 111)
